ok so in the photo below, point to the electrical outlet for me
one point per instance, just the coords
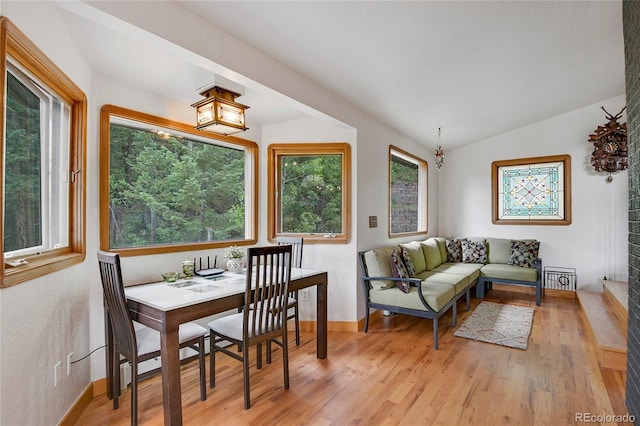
(304, 295)
(57, 373)
(69, 363)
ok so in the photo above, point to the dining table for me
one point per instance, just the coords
(164, 306)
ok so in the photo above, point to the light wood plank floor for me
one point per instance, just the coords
(392, 375)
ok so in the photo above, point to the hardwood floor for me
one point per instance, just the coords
(392, 375)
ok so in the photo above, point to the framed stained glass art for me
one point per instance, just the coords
(532, 191)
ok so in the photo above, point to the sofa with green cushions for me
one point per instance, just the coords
(511, 262)
(426, 278)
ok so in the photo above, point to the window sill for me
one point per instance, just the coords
(315, 238)
(40, 266)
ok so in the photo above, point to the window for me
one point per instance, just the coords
(407, 193)
(309, 191)
(43, 155)
(168, 187)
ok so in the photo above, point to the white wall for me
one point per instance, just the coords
(63, 311)
(42, 320)
(373, 187)
(372, 141)
(595, 243)
(330, 257)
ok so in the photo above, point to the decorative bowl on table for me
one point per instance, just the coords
(171, 277)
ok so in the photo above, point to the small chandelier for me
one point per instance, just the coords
(439, 154)
(219, 112)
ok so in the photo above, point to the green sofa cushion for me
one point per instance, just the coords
(379, 265)
(457, 281)
(431, 253)
(509, 272)
(472, 270)
(417, 256)
(437, 296)
(442, 245)
(499, 250)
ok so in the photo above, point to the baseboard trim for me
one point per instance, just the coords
(100, 386)
(81, 404)
(331, 326)
(570, 294)
(373, 316)
(532, 290)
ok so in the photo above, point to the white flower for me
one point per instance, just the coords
(233, 252)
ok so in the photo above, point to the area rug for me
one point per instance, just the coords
(500, 324)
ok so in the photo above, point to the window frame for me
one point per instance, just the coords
(423, 191)
(16, 45)
(106, 112)
(48, 150)
(274, 153)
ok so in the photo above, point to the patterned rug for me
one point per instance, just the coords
(500, 324)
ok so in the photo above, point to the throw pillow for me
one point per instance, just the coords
(378, 265)
(454, 249)
(524, 253)
(474, 251)
(408, 263)
(399, 271)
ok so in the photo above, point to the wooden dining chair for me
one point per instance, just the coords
(138, 345)
(296, 244)
(263, 318)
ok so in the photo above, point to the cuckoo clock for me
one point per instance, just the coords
(610, 145)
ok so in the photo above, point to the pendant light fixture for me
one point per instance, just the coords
(219, 112)
(439, 153)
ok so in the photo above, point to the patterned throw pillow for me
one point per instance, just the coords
(524, 253)
(400, 271)
(454, 249)
(408, 263)
(474, 251)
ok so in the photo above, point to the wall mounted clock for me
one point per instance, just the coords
(610, 145)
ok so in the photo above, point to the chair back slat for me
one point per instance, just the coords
(268, 275)
(113, 289)
(296, 244)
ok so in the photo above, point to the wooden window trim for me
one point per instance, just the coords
(106, 112)
(274, 151)
(15, 44)
(566, 161)
(425, 213)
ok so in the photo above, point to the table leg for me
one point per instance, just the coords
(171, 392)
(321, 337)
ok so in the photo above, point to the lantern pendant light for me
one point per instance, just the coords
(219, 112)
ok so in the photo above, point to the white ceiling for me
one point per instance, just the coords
(476, 69)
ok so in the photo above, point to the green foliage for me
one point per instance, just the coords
(22, 203)
(402, 171)
(311, 194)
(234, 252)
(172, 191)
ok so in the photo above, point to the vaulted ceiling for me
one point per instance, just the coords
(476, 69)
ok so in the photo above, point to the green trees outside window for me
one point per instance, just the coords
(173, 190)
(36, 168)
(43, 158)
(171, 187)
(22, 202)
(309, 191)
(311, 194)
